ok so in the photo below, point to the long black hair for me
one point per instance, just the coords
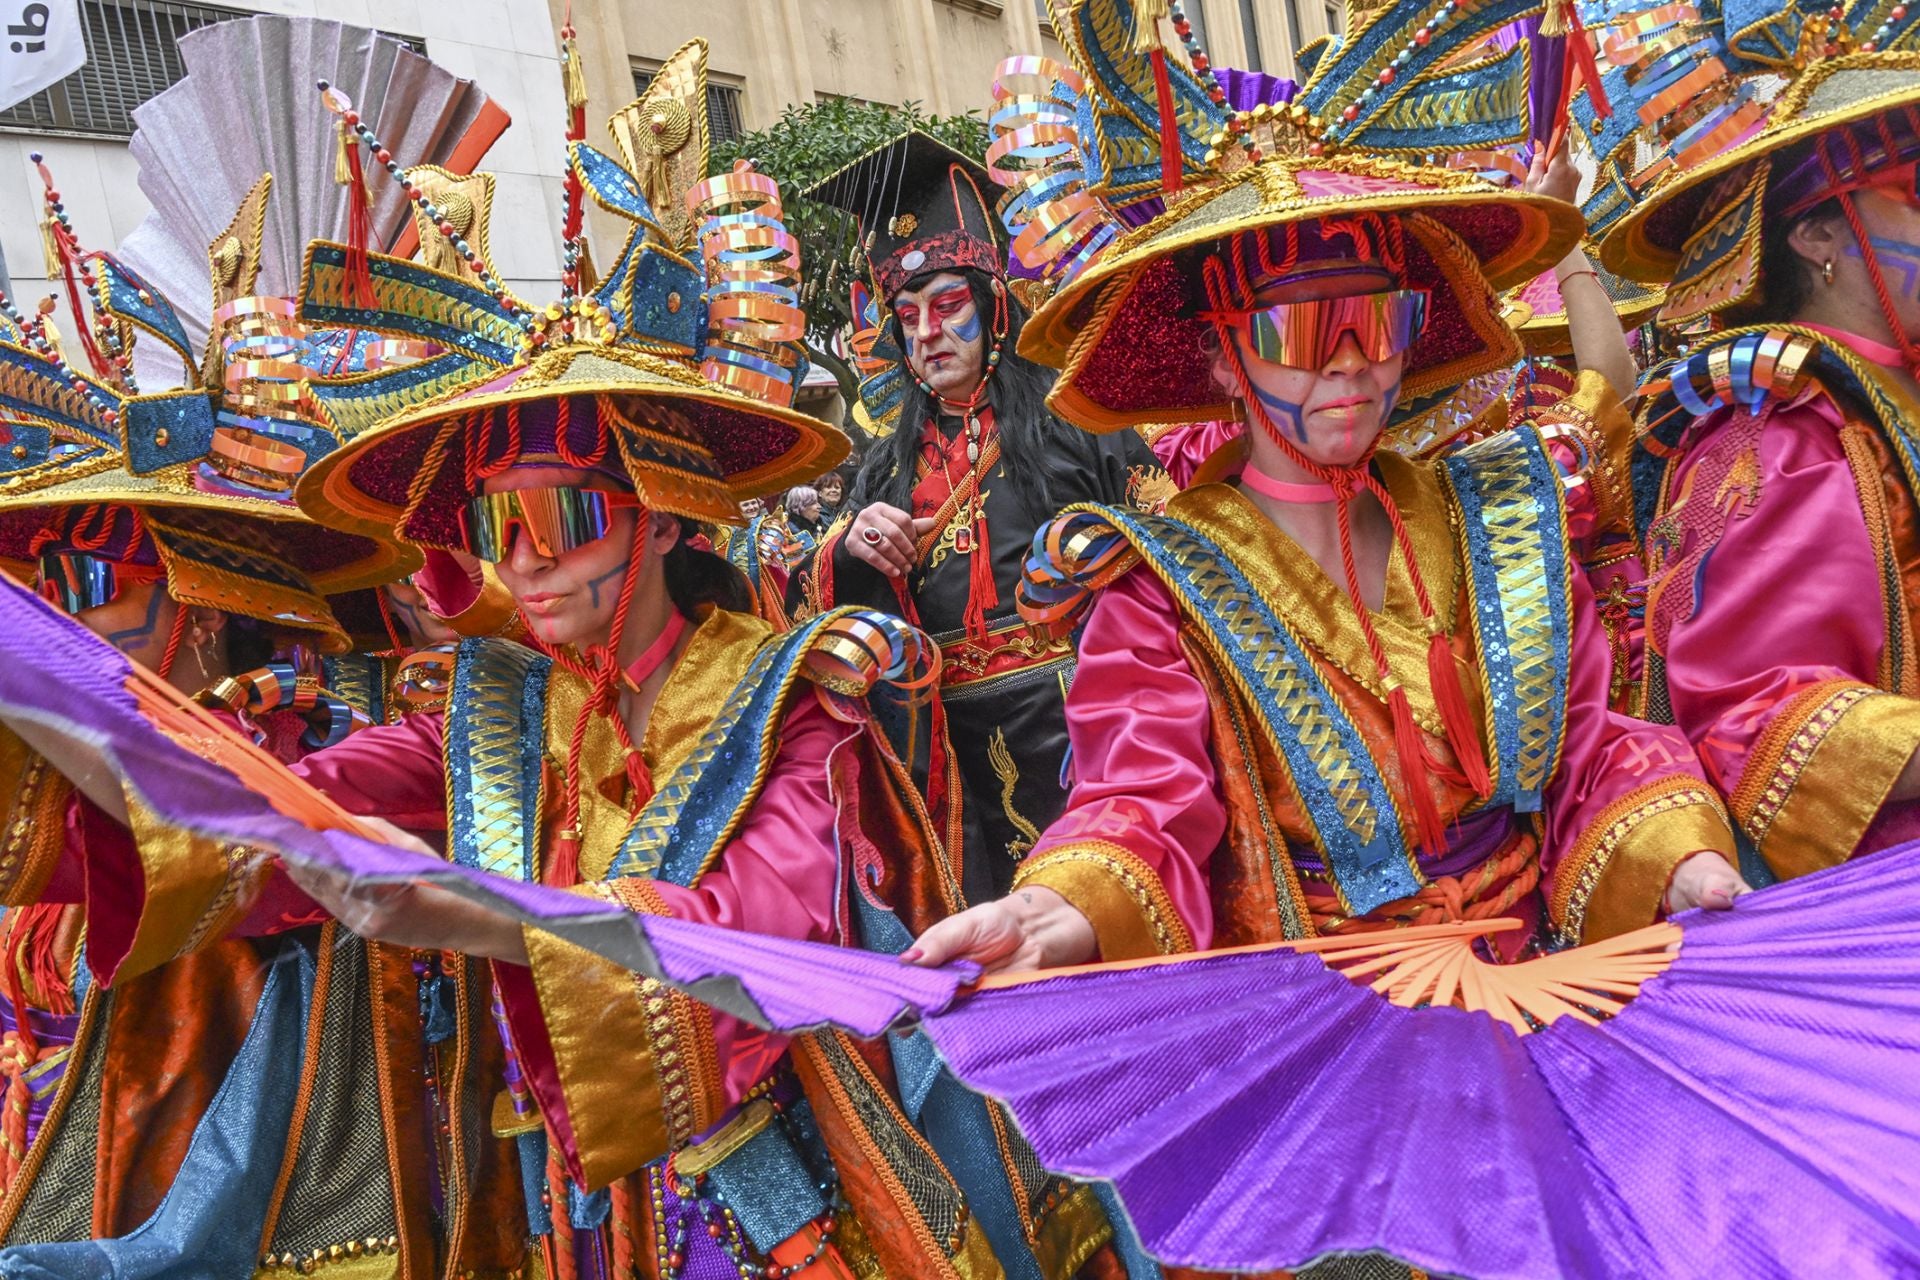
(695, 577)
(1786, 277)
(1029, 433)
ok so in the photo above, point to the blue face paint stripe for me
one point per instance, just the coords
(136, 637)
(593, 587)
(1907, 255)
(1286, 414)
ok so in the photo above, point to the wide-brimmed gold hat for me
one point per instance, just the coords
(1538, 312)
(1804, 99)
(675, 371)
(71, 441)
(1129, 334)
(1131, 168)
(689, 447)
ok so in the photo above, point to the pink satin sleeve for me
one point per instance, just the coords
(391, 771)
(1142, 768)
(779, 875)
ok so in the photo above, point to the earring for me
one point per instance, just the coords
(1826, 270)
(198, 643)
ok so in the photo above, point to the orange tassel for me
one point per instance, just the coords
(1456, 718)
(1430, 830)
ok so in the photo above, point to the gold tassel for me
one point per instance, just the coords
(575, 75)
(342, 170)
(50, 245)
(1554, 21)
(1146, 23)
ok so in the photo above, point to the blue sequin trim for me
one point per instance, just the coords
(495, 742)
(1510, 497)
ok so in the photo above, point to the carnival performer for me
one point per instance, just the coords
(664, 750)
(132, 1052)
(1347, 690)
(1775, 479)
(251, 1092)
(944, 507)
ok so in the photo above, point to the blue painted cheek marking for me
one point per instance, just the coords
(970, 330)
(1284, 412)
(135, 637)
(1908, 264)
(612, 575)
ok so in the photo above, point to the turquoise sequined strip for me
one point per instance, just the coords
(1510, 498)
(495, 740)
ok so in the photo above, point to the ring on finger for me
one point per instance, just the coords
(871, 535)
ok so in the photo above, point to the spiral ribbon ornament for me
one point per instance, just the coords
(862, 648)
(277, 686)
(869, 322)
(1050, 209)
(1072, 557)
(1671, 57)
(754, 319)
(265, 433)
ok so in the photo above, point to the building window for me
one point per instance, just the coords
(1336, 18)
(1250, 33)
(132, 54)
(725, 121)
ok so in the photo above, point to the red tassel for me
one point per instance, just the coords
(563, 868)
(1456, 717)
(36, 939)
(359, 231)
(1430, 831)
(983, 593)
(1170, 157)
(1581, 51)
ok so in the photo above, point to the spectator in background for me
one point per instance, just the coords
(804, 514)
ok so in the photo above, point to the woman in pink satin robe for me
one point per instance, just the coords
(1782, 536)
(1338, 690)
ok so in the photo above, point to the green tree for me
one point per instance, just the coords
(811, 142)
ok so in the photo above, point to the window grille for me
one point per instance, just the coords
(133, 53)
(725, 121)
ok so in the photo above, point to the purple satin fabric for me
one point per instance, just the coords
(1246, 90)
(56, 672)
(1470, 842)
(1752, 1110)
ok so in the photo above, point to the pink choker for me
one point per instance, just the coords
(1286, 491)
(1864, 347)
(649, 662)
